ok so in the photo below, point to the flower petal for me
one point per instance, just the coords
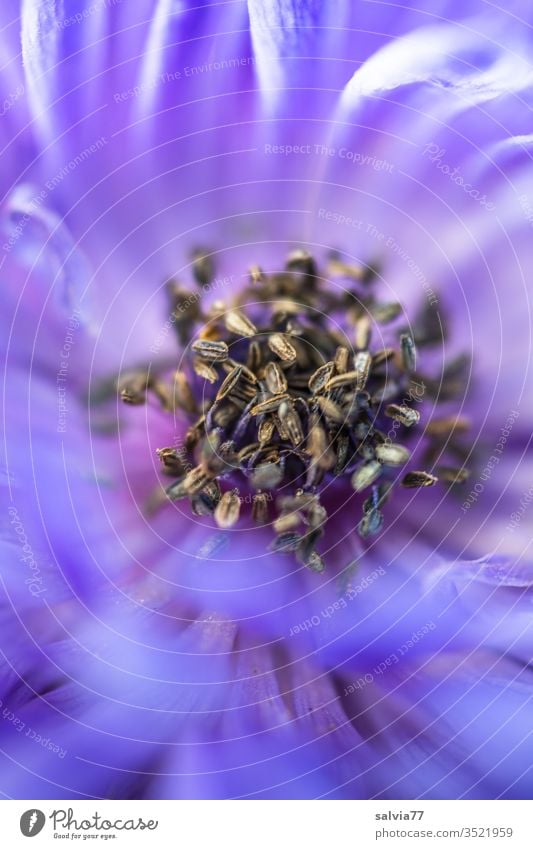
(451, 728)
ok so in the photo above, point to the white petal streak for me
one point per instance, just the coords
(25, 209)
(181, 31)
(461, 57)
(49, 35)
(286, 29)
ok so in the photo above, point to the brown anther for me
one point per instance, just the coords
(172, 461)
(228, 509)
(211, 350)
(279, 344)
(319, 379)
(203, 267)
(269, 405)
(291, 421)
(342, 359)
(182, 393)
(236, 322)
(260, 508)
(418, 479)
(275, 379)
(446, 426)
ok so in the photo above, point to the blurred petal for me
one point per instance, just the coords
(450, 729)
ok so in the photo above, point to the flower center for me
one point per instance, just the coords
(287, 399)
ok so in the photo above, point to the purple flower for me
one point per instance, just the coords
(154, 154)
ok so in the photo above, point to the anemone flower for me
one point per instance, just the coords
(266, 400)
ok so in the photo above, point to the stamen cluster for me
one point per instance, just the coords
(285, 395)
